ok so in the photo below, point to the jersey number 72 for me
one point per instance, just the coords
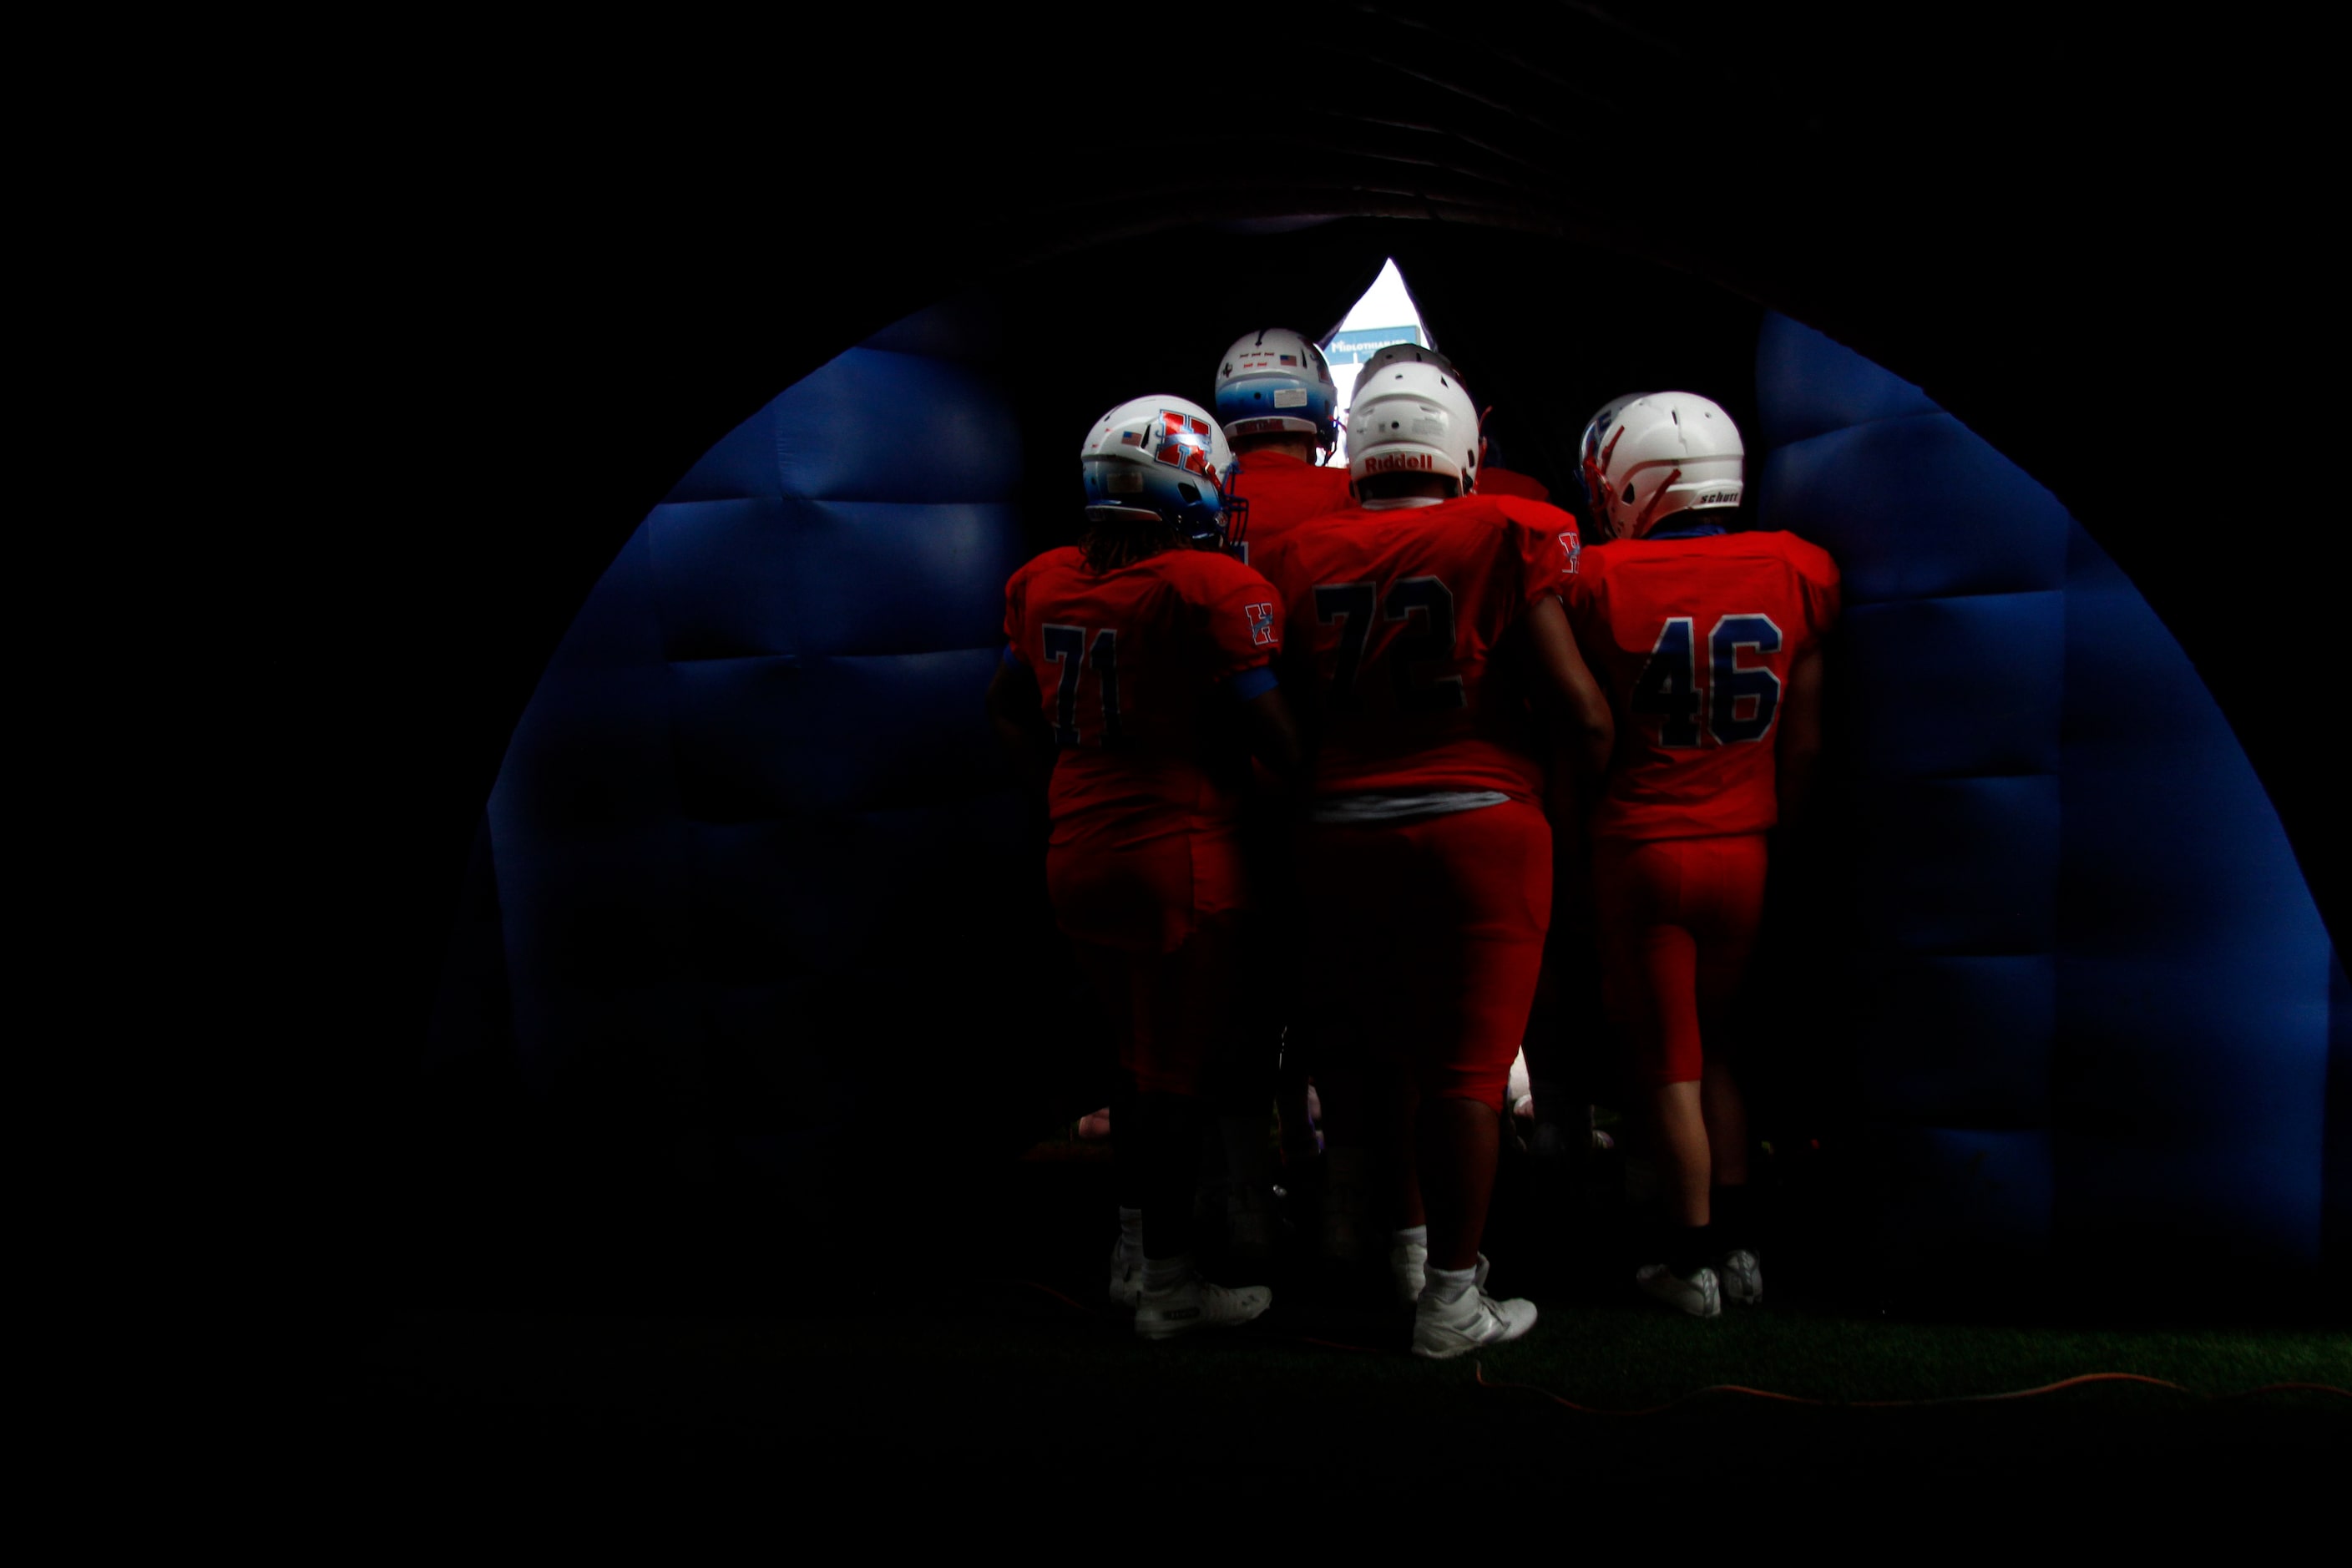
(1351, 607)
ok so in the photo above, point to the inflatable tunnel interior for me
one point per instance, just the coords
(752, 873)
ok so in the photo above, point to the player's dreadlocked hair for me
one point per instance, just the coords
(1113, 542)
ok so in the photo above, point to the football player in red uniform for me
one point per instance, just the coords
(1126, 657)
(1710, 643)
(1492, 478)
(1279, 406)
(1426, 625)
(1280, 409)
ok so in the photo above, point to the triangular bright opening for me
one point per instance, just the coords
(1384, 315)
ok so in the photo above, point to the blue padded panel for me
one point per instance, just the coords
(1806, 383)
(871, 426)
(968, 330)
(1961, 866)
(1978, 1192)
(2337, 1176)
(2192, 1058)
(774, 736)
(584, 818)
(800, 894)
(1915, 507)
(1957, 687)
(757, 773)
(744, 577)
(1960, 1042)
(2166, 1011)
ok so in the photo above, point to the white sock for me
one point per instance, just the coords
(1130, 1238)
(1166, 1273)
(1443, 1286)
(1412, 1236)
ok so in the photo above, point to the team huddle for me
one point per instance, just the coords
(1356, 707)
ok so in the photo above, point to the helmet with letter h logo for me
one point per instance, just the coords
(1411, 415)
(1278, 382)
(1651, 455)
(1160, 457)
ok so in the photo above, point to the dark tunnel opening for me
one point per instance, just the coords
(1628, 325)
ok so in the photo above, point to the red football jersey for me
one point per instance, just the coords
(1694, 638)
(1284, 492)
(1124, 661)
(1503, 482)
(1402, 610)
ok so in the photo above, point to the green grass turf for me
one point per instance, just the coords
(1001, 1397)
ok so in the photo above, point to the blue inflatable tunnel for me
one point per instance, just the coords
(2093, 1005)
(751, 867)
(752, 862)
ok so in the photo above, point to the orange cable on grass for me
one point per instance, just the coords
(2075, 1381)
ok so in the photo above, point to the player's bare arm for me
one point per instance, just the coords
(1566, 693)
(1015, 711)
(1799, 743)
(1274, 739)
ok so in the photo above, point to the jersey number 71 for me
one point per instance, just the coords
(1066, 646)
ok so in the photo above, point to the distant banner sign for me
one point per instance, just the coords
(1356, 345)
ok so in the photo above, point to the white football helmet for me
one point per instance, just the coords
(1278, 382)
(1411, 353)
(1411, 414)
(1588, 468)
(1159, 457)
(1650, 455)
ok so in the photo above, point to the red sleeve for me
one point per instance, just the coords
(1235, 617)
(1548, 548)
(1017, 594)
(1822, 588)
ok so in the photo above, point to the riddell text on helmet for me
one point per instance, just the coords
(1390, 464)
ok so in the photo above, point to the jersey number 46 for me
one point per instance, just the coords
(1737, 701)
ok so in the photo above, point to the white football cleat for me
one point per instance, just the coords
(1700, 1295)
(1409, 1268)
(1198, 1304)
(1472, 1321)
(1742, 1279)
(1125, 1277)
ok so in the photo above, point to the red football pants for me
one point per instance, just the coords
(1426, 941)
(1170, 1013)
(1144, 894)
(1678, 919)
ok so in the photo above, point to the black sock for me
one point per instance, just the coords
(1172, 1127)
(1734, 1213)
(1689, 1249)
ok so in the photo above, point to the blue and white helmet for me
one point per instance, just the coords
(1159, 457)
(1278, 382)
